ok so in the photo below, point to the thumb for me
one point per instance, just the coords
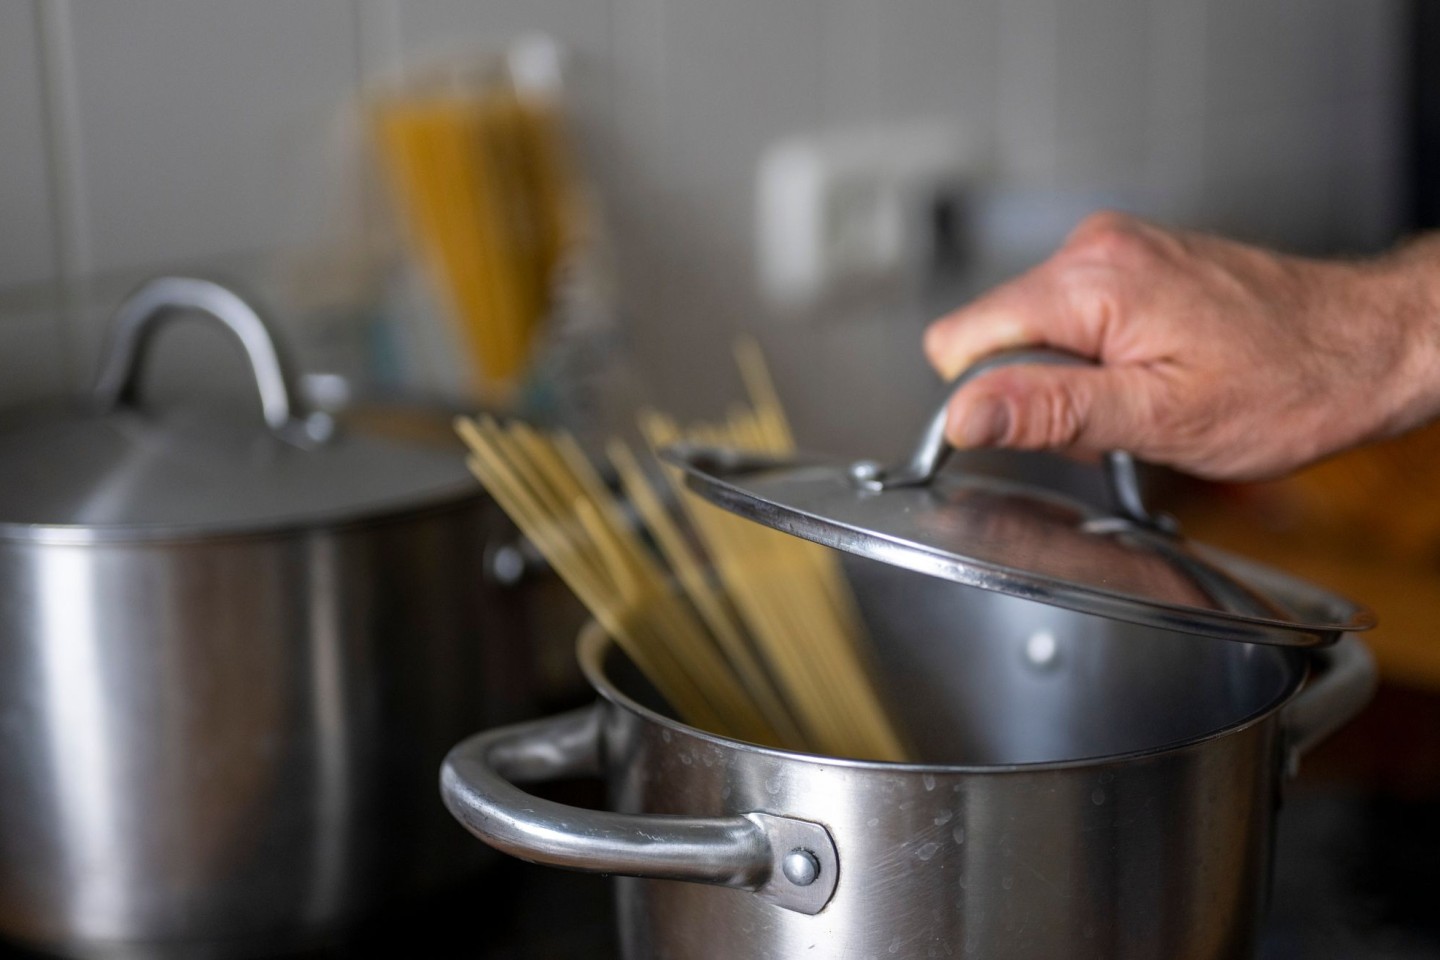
(1037, 407)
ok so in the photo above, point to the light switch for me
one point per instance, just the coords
(854, 211)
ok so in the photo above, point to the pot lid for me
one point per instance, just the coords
(105, 469)
(1128, 564)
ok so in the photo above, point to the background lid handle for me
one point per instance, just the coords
(164, 298)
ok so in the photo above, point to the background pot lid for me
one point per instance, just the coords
(106, 469)
(68, 474)
(1022, 540)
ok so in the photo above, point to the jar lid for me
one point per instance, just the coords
(1018, 539)
(105, 469)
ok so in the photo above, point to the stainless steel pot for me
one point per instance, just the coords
(232, 650)
(1090, 789)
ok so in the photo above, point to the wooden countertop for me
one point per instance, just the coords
(1401, 586)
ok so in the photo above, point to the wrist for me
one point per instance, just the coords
(1403, 293)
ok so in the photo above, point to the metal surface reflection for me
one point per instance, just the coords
(80, 754)
(1115, 802)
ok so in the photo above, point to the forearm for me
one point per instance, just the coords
(1403, 289)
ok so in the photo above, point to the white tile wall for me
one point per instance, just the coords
(31, 348)
(1373, 43)
(738, 75)
(1175, 111)
(937, 57)
(1274, 54)
(207, 134)
(1366, 143)
(1103, 70)
(207, 128)
(27, 235)
(1028, 114)
(1270, 176)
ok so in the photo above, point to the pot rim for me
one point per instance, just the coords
(593, 644)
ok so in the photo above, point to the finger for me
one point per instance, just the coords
(955, 342)
(1035, 407)
(1041, 308)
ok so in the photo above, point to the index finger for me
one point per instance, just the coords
(1030, 311)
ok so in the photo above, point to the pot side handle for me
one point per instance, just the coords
(1331, 698)
(792, 863)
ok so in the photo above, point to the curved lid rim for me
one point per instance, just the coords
(987, 574)
(75, 476)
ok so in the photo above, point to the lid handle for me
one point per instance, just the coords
(163, 298)
(932, 450)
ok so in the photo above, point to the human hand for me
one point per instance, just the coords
(1220, 359)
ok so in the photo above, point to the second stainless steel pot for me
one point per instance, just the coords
(233, 646)
(1091, 789)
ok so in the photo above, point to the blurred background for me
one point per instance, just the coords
(656, 177)
(235, 140)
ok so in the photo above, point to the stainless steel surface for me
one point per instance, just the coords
(1129, 564)
(748, 852)
(109, 469)
(1027, 542)
(1113, 798)
(221, 745)
(236, 740)
(164, 297)
(1345, 682)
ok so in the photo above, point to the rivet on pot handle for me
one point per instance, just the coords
(164, 297)
(792, 863)
(1339, 689)
(931, 451)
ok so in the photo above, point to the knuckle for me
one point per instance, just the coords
(1095, 297)
(1052, 417)
(1103, 221)
(1108, 237)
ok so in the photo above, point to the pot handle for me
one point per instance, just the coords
(792, 863)
(1340, 689)
(932, 449)
(161, 299)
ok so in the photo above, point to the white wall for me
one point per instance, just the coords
(148, 135)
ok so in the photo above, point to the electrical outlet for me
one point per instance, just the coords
(854, 212)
